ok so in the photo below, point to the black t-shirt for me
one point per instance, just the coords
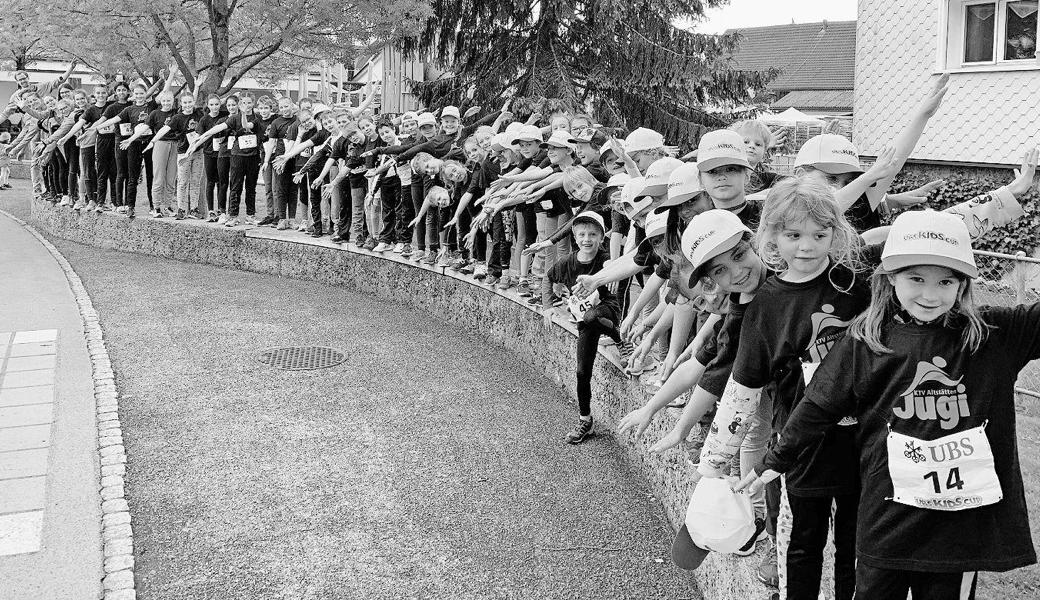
(929, 387)
(264, 125)
(132, 116)
(554, 202)
(281, 129)
(111, 110)
(160, 118)
(567, 270)
(761, 180)
(861, 216)
(208, 122)
(93, 114)
(237, 129)
(788, 324)
(597, 171)
(483, 176)
(181, 125)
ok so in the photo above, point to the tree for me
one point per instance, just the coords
(215, 43)
(624, 60)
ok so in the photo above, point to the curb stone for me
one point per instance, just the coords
(116, 528)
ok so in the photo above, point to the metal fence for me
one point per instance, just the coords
(1009, 280)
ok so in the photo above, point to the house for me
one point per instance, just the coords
(816, 62)
(392, 72)
(991, 112)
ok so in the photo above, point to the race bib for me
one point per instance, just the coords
(951, 473)
(192, 136)
(107, 129)
(579, 306)
(230, 142)
(126, 129)
(808, 370)
(546, 204)
(247, 141)
(216, 144)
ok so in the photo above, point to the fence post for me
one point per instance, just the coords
(1020, 277)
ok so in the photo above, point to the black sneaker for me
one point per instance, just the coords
(339, 238)
(268, 220)
(625, 350)
(130, 213)
(180, 215)
(315, 232)
(581, 432)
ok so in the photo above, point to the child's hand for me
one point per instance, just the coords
(470, 112)
(916, 196)
(673, 439)
(779, 137)
(885, 166)
(586, 284)
(753, 482)
(547, 319)
(935, 97)
(1024, 178)
(536, 247)
(636, 421)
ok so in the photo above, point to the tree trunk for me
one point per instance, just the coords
(219, 20)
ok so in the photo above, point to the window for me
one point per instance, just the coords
(993, 34)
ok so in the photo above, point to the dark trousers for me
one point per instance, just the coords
(417, 202)
(134, 159)
(105, 166)
(244, 171)
(888, 584)
(283, 190)
(57, 174)
(773, 492)
(88, 165)
(223, 182)
(72, 168)
(311, 198)
(405, 213)
(598, 320)
(148, 177)
(390, 199)
(465, 224)
(500, 248)
(209, 163)
(809, 526)
(345, 208)
(120, 196)
(530, 226)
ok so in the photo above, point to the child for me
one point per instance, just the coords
(5, 161)
(758, 140)
(598, 315)
(930, 378)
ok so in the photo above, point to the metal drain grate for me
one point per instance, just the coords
(302, 358)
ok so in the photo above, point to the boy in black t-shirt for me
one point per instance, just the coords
(596, 314)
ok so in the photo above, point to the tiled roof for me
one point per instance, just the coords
(811, 56)
(834, 100)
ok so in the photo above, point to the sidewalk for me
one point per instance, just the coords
(50, 514)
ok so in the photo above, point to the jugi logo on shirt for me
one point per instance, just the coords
(822, 343)
(933, 395)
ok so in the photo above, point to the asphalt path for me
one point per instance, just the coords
(428, 465)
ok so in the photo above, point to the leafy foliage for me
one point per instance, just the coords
(623, 60)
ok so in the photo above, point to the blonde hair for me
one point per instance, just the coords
(796, 200)
(574, 175)
(165, 94)
(454, 171)
(753, 127)
(883, 306)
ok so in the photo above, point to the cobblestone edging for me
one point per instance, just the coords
(503, 318)
(116, 530)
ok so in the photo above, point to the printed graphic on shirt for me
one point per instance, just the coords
(827, 329)
(934, 396)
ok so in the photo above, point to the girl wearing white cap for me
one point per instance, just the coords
(794, 320)
(930, 378)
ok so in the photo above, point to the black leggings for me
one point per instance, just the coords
(213, 182)
(148, 178)
(309, 197)
(501, 250)
(57, 174)
(121, 196)
(105, 165)
(417, 202)
(888, 584)
(134, 158)
(810, 522)
(88, 160)
(390, 197)
(598, 320)
(223, 182)
(244, 171)
(72, 168)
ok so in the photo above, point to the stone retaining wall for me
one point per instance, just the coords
(501, 317)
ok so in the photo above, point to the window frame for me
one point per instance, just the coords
(950, 51)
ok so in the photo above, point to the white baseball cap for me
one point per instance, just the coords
(450, 111)
(709, 234)
(425, 119)
(721, 147)
(927, 237)
(618, 180)
(408, 116)
(683, 184)
(657, 176)
(514, 127)
(719, 519)
(590, 217)
(829, 152)
(528, 133)
(560, 139)
(656, 222)
(630, 204)
(643, 139)
(502, 140)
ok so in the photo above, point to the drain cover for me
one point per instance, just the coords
(302, 358)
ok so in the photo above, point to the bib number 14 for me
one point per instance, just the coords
(953, 480)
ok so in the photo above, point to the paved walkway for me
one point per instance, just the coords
(50, 516)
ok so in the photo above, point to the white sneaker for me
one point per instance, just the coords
(123, 210)
(156, 214)
(302, 226)
(282, 225)
(249, 220)
(232, 222)
(399, 248)
(92, 205)
(222, 219)
(381, 247)
(65, 201)
(78, 205)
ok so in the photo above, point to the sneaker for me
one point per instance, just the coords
(98, 208)
(156, 214)
(443, 258)
(398, 248)
(431, 258)
(78, 205)
(223, 218)
(194, 213)
(130, 212)
(492, 280)
(581, 432)
(381, 247)
(767, 571)
(92, 206)
(535, 301)
(505, 282)
(406, 250)
(249, 220)
(65, 201)
(123, 210)
(180, 215)
(470, 268)
(524, 287)
(282, 225)
(268, 220)
(370, 244)
(625, 350)
(643, 366)
(316, 233)
(339, 239)
(107, 207)
(232, 222)
(301, 227)
(762, 535)
(459, 264)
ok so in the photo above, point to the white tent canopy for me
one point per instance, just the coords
(791, 115)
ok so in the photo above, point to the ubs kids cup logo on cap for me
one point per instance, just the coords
(684, 183)
(925, 237)
(831, 153)
(711, 233)
(721, 147)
